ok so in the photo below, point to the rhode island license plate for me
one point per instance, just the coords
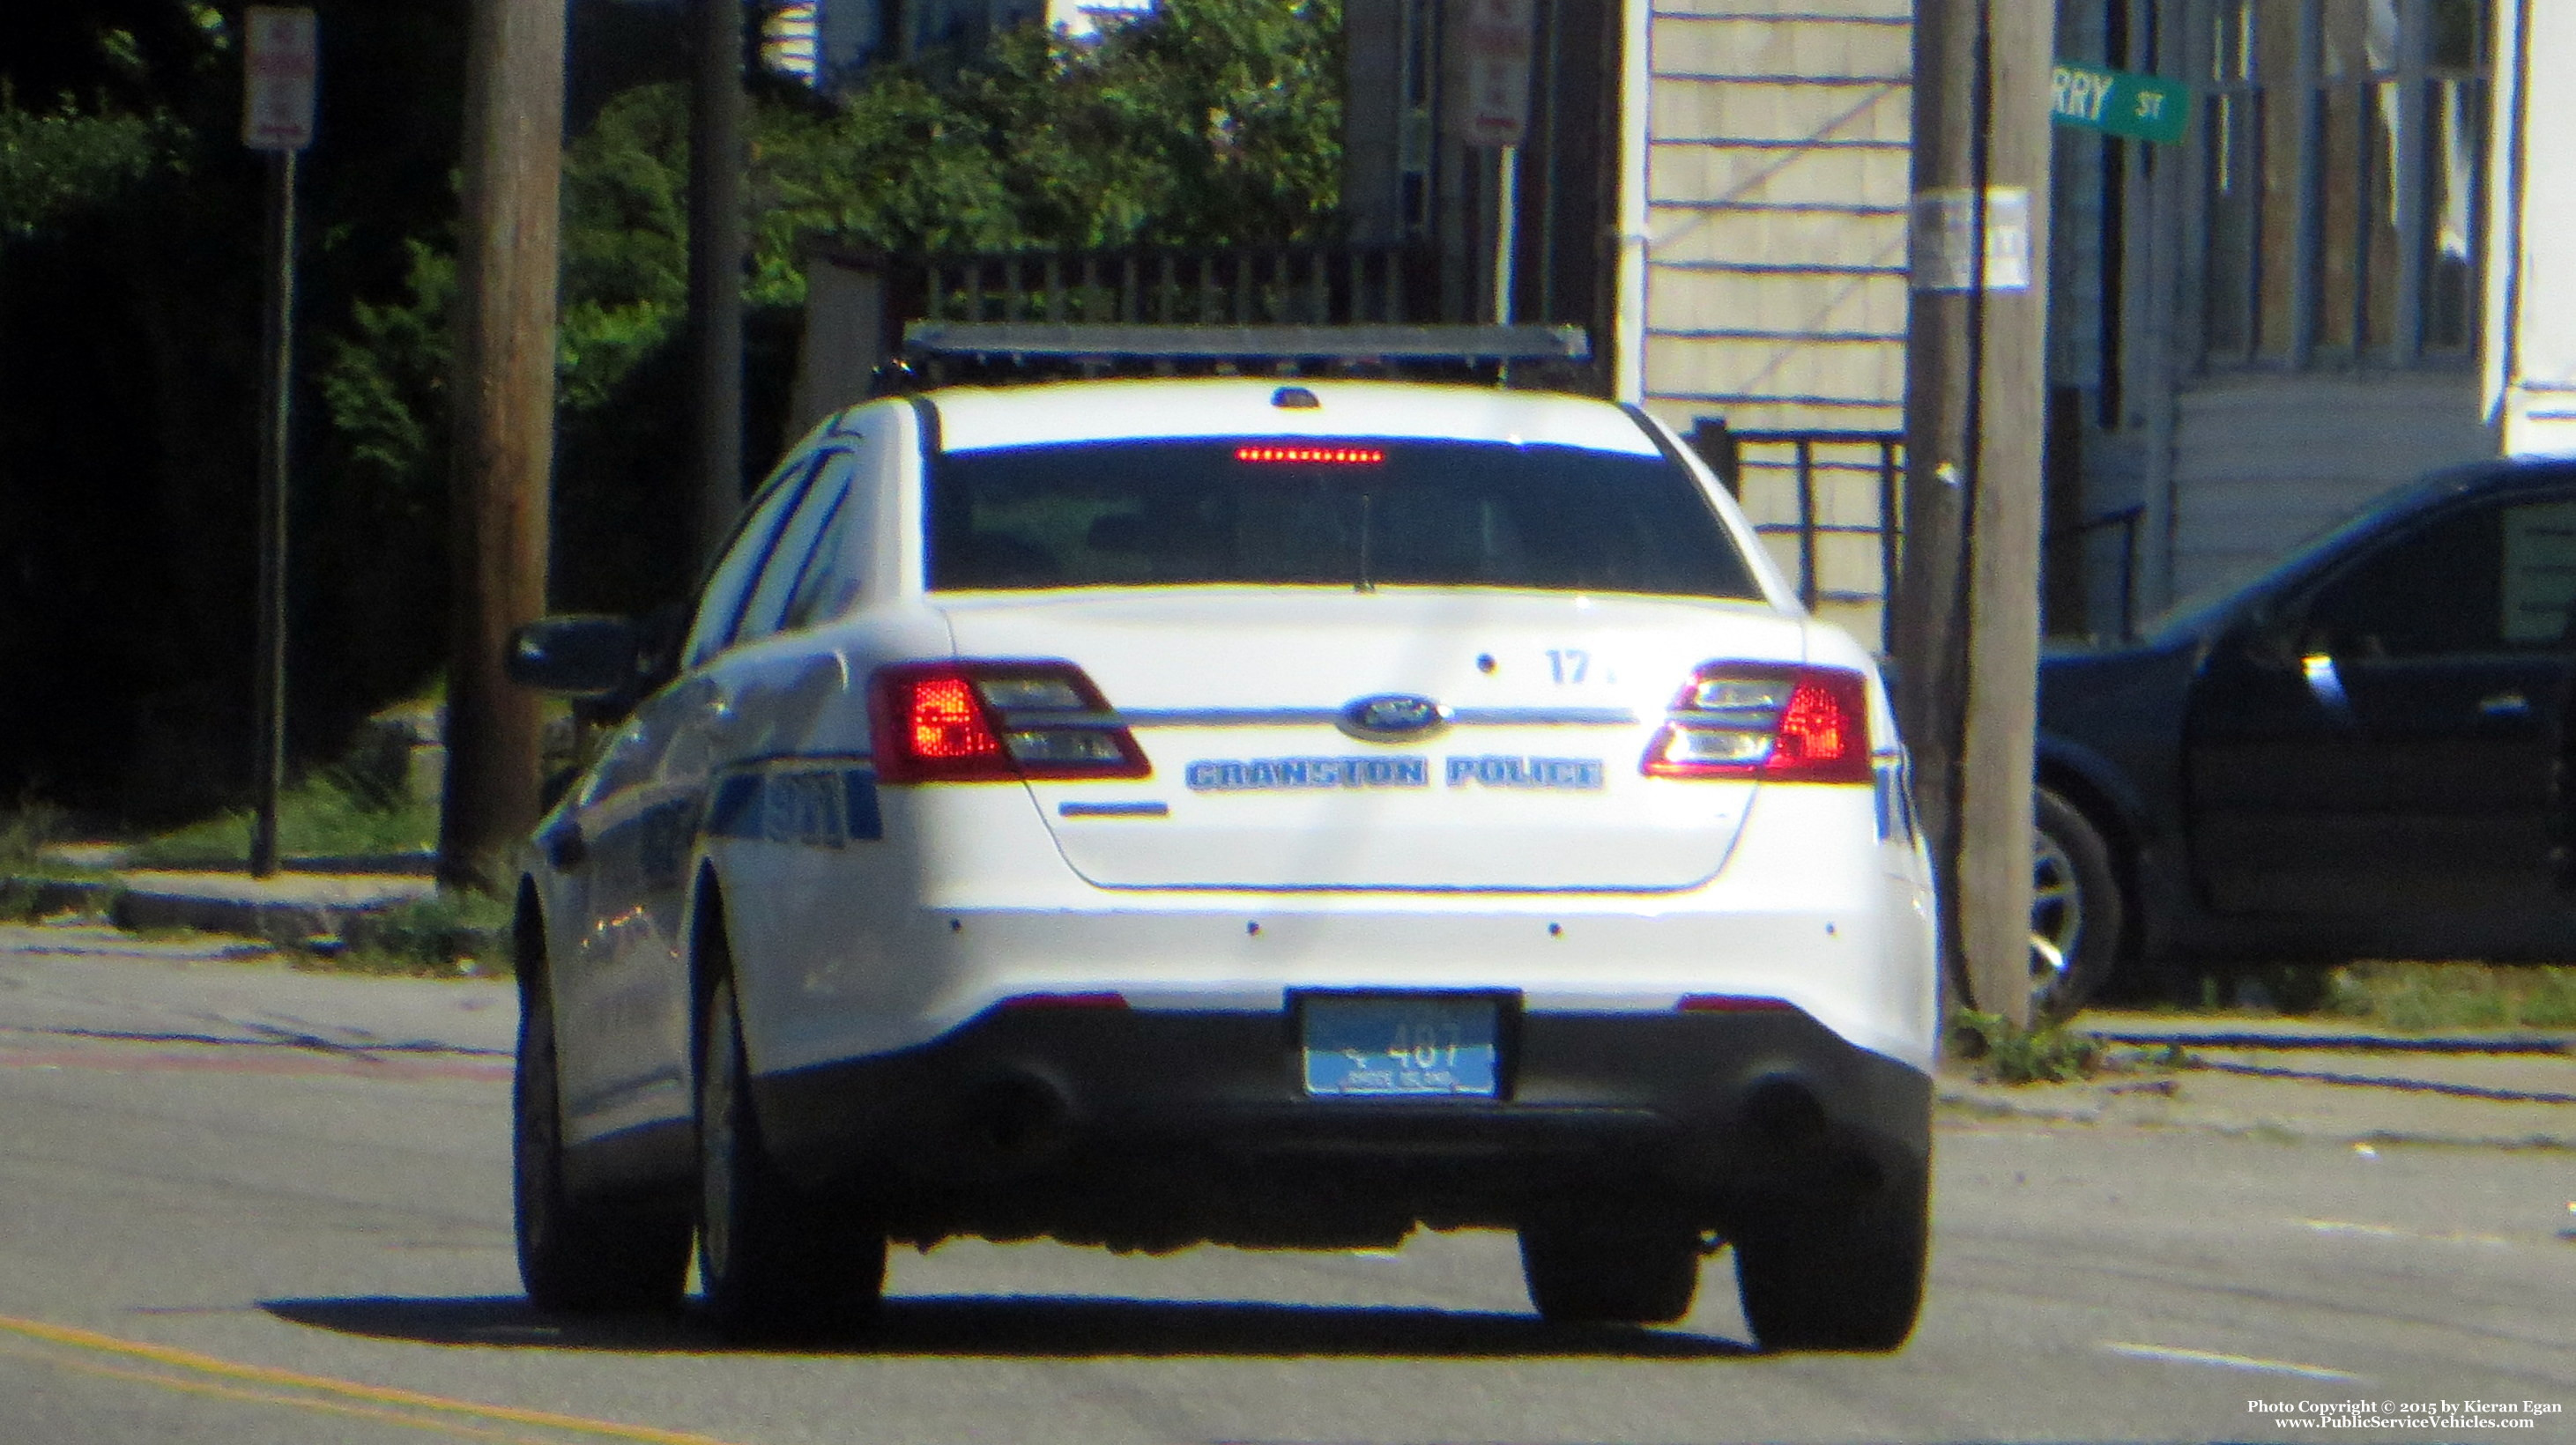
(1400, 1045)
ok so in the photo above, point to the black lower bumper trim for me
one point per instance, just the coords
(1148, 1129)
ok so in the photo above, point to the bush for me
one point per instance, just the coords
(24, 832)
(2015, 1055)
(448, 933)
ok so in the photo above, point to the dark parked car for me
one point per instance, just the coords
(2357, 754)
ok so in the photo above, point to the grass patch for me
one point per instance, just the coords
(2421, 997)
(27, 834)
(2014, 1055)
(450, 934)
(34, 885)
(326, 815)
(24, 833)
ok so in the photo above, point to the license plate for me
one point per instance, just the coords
(1400, 1046)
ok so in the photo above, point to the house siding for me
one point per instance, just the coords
(1777, 175)
(2262, 462)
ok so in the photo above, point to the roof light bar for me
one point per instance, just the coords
(1109, 339)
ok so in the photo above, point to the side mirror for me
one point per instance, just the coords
(583, 656)
(2269, 636)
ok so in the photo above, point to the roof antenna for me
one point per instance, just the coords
(1367, 501)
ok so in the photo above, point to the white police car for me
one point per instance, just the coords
(1154, 812)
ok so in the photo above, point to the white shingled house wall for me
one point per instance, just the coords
(1765, 266)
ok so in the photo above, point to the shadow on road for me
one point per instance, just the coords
(1024, 1326)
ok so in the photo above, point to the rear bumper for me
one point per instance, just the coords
(1147, 1130)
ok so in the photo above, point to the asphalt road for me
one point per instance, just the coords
(238, 1204)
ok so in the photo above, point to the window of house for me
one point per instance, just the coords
(2344, 142)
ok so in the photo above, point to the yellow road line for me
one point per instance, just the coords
(324, 1384)
(264, 1397)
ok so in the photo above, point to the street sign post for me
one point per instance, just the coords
(2120, 102)
(280, 64)
(1488, 82)
(1488, 93)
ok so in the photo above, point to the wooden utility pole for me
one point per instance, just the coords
(1967, 636)
(504, 400)
(718, 237)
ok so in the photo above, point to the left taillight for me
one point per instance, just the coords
(1766, 723)
(975, 721)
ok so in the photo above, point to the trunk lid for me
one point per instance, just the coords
(1403, 739)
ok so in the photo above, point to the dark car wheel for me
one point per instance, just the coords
(1838, 1279)
(1610, 1271)
(775, 1260)
(2076, 912)
(579, 1255)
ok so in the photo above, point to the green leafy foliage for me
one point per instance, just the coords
(24, 833)
(58, 161)
(2420, 997)
(2013, 1055)
(1215, 121)
(449, 934)
(131, 282)
(1212, 122)
(322, 816)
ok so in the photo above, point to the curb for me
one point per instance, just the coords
(279, 923)
(324, 917)
(288, 916)
(2517, 1042)
(44, 897)
(1979, 1104)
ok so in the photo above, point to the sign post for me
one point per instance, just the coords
(281, 62)
(1488, 105)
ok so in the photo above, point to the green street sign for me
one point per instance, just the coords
(2120, 102)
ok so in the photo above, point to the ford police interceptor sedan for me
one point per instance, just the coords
(1160, 812)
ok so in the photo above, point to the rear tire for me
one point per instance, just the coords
(1848, 1279)
(1610, 1271)
(579, 1256)
(775, 1260)
(2076, 912)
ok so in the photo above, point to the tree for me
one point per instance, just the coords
(129, 290)
(1216, 121)
(54, 162)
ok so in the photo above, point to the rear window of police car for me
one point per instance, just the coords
(1326, 511)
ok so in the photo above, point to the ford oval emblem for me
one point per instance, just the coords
(1393, 717)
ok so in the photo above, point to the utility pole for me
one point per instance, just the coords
(718, 237)
(1967, 633)
(504, 399)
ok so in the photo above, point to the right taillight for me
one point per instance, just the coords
(1766, 723)
(970, 722)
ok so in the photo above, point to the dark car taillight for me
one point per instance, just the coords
(976, 721)
(1766, 723)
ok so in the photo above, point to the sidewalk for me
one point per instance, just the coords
(287, 908)
(2300, 1079)
(310, 898)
